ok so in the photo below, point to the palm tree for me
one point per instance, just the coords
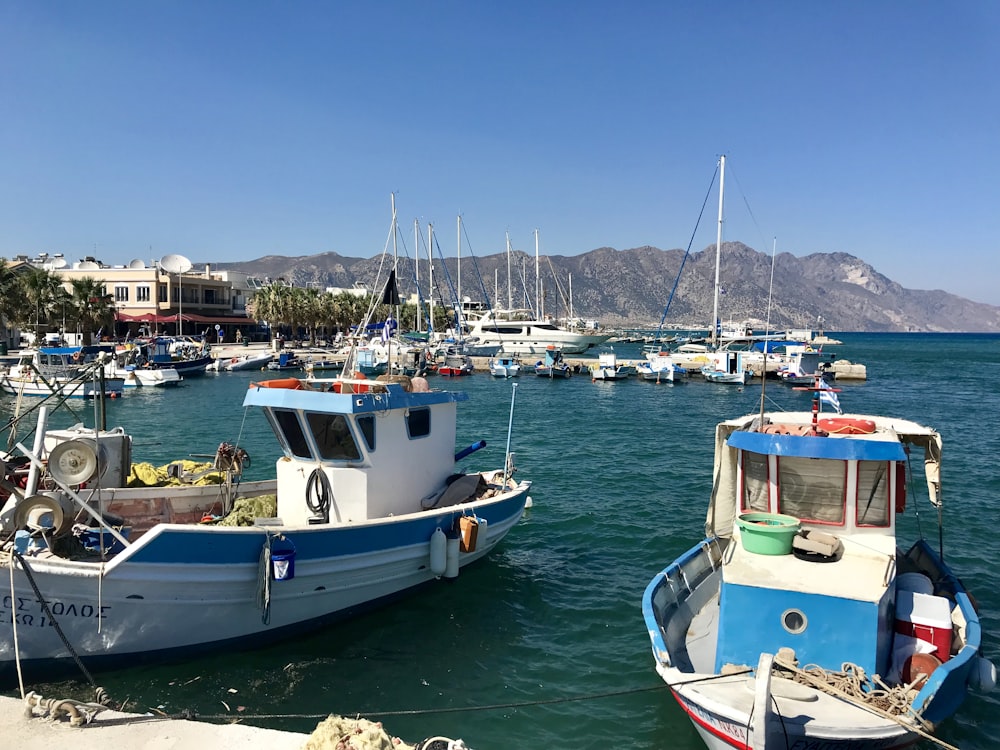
(41, 296)
(91, 306)
(11, 300)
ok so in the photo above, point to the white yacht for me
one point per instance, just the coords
(519, 331)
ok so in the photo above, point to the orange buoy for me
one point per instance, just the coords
(918, 667)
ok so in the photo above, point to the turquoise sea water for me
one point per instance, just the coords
(543, 645)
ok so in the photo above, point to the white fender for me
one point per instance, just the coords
(438, 552)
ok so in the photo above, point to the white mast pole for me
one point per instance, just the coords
(570, 298)
(538, 293)
(459, 273)
(718, 251)
(395, 258)
(416, 272)
(430, 274)
(510, 295)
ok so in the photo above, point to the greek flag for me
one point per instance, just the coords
(388, 327)
(827, 396)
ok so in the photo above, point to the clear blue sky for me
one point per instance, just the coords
(225, 131)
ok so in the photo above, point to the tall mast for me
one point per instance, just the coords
(538, 294)
(430, 275)
(510, 294)
(416, 271)
(395, 261)
(459, 273)
(718, 251)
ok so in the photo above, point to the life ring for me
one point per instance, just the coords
(76, 356)
(846, 426)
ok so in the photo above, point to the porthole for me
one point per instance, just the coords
(794, 621)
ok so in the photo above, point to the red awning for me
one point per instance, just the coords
(188, 317)
(147, 318)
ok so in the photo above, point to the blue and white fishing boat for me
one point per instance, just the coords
(61, 371)
(659, 367)
(553, 365)
(726, 367)
(799, 622)
(505, 366)
(608, 367)
(371, 502)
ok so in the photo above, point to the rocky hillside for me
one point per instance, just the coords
(631, 287)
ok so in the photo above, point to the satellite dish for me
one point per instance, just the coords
(137, 263)
(175, 263)
(73, 462)
(58, 263)
(88, 265)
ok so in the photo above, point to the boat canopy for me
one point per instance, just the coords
(735, 434)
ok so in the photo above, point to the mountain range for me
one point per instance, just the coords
(631, 288)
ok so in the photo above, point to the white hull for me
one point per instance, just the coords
(63, 387)
(152, 599)
(517, 332)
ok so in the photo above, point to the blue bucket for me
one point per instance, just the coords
(283, 562)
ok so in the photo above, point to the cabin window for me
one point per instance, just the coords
(418, 423)
(873, 493)
(286, 424)
(812, 489)
(367, 426)
(333, 437)
(755, 493)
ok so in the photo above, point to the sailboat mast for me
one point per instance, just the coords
(395, 262)
(416, 270)
(538, 296)
(430, 276)
(510, 295)
(718, 251)
(459, 273)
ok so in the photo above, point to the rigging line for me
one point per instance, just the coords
(475, 264)
(444, 710)
(687, 252)
(747, 204)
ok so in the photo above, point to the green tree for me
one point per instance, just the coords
(92, 307)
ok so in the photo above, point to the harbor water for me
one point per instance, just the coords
(543, 644)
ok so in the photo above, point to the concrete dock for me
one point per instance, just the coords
(111, 729)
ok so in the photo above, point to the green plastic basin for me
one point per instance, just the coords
(767, 533)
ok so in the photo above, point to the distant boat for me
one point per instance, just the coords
(505, 367)
(518, 331)
(248, 361)
(660, 368)
(553, 365)
(608, 368)
(726, 367)
(66, 371)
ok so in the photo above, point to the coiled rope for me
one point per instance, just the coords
(100, 693)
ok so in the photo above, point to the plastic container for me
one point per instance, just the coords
(283, 561)
(925, 617)
(916, 582)
(767, 533)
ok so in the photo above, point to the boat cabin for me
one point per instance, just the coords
(812, 562)
(365, 446)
